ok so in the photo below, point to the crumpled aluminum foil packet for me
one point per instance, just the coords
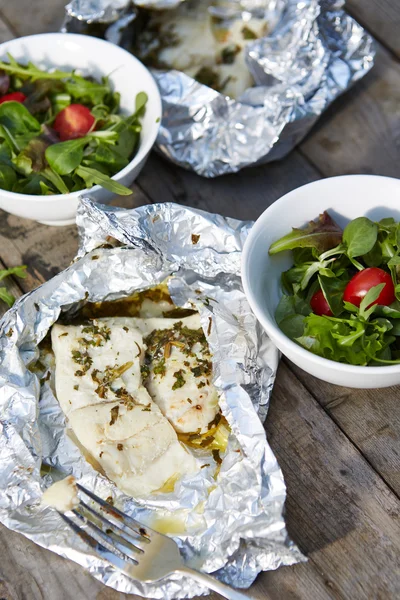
(315, 53)
(235, 526)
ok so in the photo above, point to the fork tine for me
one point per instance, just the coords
(101, 550)
(135, 541)
(115, 541)
(143, 531)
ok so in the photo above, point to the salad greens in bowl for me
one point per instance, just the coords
(341, 296)
(77, 115)
(321, 270)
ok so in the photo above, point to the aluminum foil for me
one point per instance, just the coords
(315, 53)
(235, 526)
(96, 11)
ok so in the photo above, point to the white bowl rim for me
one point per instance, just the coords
(272, 328)
(144, 148)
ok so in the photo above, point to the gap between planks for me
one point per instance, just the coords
(381, 18)
(360, 131)
(282, 572)
(307, 381)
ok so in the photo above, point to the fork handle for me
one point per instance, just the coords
(224, 590)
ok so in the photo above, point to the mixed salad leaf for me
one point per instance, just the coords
(61, 132)
(341, 297)
(5, 295)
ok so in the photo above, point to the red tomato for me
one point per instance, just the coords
(73, 122)
(363, 281)
(14, 97)
(319, 304)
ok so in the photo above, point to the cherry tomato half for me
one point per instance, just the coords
(319, 304)
(363, 281)
(73, 121)
(13, 97)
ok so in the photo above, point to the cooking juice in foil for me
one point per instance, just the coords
(242, 82)
(227, 520)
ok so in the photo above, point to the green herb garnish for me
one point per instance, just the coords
(180, 380)
(248, 34)
(203, 368)
(206, 76)
(106, 377)
(159, 367)
(229, 53)
(83, 359)
(145, 371)
(126, 398)
(114, 414)
(5, 295)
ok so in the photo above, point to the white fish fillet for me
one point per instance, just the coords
(124, 346)
(62, 495)
(113, 417)
(194, 405)
(139, 451)
(199, 41)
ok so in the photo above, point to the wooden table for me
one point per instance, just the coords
(338, 448)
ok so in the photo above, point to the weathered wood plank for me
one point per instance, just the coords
(381, 18)
(26, 17)
(370, 418)
(46, 250)
(360, 133)
(338, 509)
(242, 196)
(5, 32)
(28, 572)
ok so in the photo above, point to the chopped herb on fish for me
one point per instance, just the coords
(180, 380)
(114, 414)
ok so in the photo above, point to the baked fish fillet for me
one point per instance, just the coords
(178, 372)
(94, 362)
(209, 49)
(98, 385)
(137, 448)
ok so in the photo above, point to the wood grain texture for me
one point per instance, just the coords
(360, 132)
(5, 31)
(381, 17)
(46, 250)
(338, 508)
(28, 572)
(370, 418)
(26, 17)
(243, 196)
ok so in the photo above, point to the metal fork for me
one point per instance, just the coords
(138, 551)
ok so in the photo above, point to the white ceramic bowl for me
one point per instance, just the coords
(345, 198)
(95, 57)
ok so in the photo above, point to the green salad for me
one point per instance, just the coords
(61, 132)
(341, 297)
